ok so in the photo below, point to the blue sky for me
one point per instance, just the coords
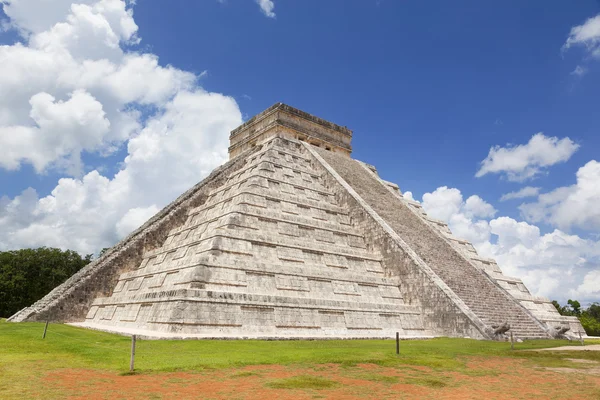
(94, 97)
(449, 78)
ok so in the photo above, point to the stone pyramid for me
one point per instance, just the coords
(292, 238)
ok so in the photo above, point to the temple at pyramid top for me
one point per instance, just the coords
(282, 120)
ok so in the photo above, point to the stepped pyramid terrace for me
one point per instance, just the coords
(292, 238)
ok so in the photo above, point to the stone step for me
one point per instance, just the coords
(475, 289)
(257, 299)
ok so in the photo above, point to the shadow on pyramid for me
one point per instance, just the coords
(292, 239)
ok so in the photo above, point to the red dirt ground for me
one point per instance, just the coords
(484, 378)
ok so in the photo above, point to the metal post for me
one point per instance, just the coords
(45, 329)
(132, 353)
(512, 343)
(397, 342)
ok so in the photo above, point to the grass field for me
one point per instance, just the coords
(78, 363)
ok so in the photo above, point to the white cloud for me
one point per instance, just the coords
(591, 284)
(90, 31)
(267, 6)
(555, 265)
(176, 149)
(134, 218)
(72, 88)
(62, 131)
(527, 191)
(463, 217)
(579, 71)
(78, 57)
(408, 195)
(524, 162)
(570, 206)
(586, 35)
(476, 207)
(35, 16)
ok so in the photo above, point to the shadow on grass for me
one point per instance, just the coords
(129, 373)
(558, 359)
(303, 382)
(427, 382)
(378, 378)
(244, 374)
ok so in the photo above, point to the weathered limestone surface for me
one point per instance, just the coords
(286, 121)
(443, 311)
(293, 239)
(540, 308)
(71, 301)
(270, 254)
(491, 305)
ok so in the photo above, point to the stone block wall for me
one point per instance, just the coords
(72, 300)
(281, 119)
(269, 254)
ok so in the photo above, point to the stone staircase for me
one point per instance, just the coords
(540, 307)
(492, 305)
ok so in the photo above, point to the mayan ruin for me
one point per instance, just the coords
(292, 238)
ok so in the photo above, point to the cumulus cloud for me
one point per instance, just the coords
(267, 6)
(591, 284)
(476, 207)
(555, 265)
(62, 130)
(521, 162)
(570, 206)
(408, 196)
(75, 86)
(77, 62)
(176, 149)
(134, 218)
(586, 35)
(465, 218)
(527, 191)
(35, 16)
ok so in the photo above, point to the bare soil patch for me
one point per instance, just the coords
(582, 361)
(564, 370)
(589, 347)
(483, 377)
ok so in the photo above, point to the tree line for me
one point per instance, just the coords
(589, 317)
(27, 275)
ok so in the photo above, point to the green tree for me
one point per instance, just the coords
(27, 275)
(589, 317)
(575, 306)
(590, 324)
(104, 250)
(559, 308)
(594, 311)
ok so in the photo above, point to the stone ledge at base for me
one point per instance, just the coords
(154, 335)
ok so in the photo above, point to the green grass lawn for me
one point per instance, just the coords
(76, 348)
(25, 356)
